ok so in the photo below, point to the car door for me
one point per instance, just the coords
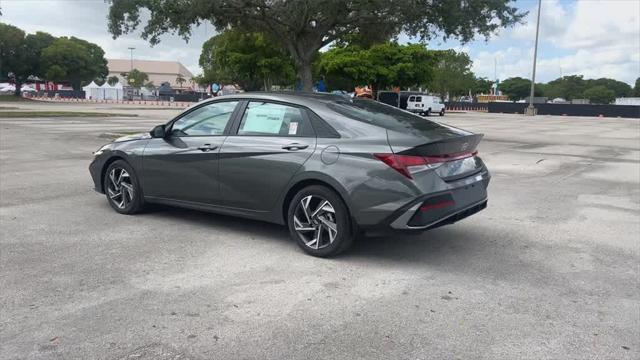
(269, 144)
(184, 165)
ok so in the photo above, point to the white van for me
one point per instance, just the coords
(425, 105)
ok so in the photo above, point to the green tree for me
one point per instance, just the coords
(112, 80)
(35, 43)
(150, 86)
(516, 88)
(621, 89)
(137, 78)
(74, 60)
(481, 86)
(636, 89)
(13, 53)
(452, 73)
(247, 59)
(302, 27)
(567, 87)
(382, 65)
(599, 94)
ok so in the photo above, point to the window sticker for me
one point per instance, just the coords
(293, 128)
(264, 119)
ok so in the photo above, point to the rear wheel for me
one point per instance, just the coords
(122, 188)
(318, 220)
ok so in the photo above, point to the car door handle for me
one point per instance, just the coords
(207, 147)
(294, 146)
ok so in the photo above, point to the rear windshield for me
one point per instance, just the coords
(388, 117)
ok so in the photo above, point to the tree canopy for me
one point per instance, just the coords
(452, 73)
(599, 94)
(302, 27)
(137, 78)
(517, 88)
(247, 59)
(382, 65)
(74, 60)
(46, 57)
(636, 89)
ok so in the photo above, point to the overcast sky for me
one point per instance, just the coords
(596, 38)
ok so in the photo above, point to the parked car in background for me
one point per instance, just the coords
(326, 166)
(425, 105)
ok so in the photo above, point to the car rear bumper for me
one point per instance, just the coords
(446, 207)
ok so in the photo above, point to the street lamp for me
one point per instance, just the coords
(530, 109)
(131, 49)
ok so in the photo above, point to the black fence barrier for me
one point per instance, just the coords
(628, 111)
(65, 94)
(465, 106)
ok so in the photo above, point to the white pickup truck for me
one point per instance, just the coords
(425, 105)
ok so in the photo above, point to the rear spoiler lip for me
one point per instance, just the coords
(448, 146)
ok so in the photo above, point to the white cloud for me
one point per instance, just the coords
(596, 38)
(87, 19)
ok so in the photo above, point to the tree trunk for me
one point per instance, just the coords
(305, 75)
(17, 92)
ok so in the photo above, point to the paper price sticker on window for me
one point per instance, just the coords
(293, 128)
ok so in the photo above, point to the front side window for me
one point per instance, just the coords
(418, 98)
(262, 118)
(208, 120)
(412, 98)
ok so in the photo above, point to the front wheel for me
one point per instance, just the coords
(319, 221)
(442, 112)
(122, 188)
(428, 112)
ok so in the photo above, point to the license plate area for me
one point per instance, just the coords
(457, 169)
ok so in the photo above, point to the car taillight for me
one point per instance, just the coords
(411, 164)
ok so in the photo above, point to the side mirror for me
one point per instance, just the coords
(158, 132)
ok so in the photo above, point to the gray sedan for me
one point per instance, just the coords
(326, 166)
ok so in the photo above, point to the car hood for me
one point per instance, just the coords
(138, 136)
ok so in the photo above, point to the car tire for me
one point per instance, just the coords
(442, 112)
(428, 112)
(122, 188)
(320, 229)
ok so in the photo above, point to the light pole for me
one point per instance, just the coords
(530, 109)
(131, 49)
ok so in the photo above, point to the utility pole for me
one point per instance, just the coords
(531, 110)
(131, 49)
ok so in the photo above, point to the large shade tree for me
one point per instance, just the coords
(382, 65)
(13, 54)
(304, 26)
(74, 60)
(247, 59)
(452, 74)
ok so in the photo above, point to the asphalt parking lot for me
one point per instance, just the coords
(550, 270)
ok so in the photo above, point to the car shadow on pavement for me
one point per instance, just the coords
(448, 244)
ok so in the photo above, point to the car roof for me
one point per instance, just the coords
(300, 98)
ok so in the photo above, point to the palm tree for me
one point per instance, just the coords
(180, 80)
(112, 80)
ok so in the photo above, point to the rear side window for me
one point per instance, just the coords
(269, 119)
(385, 116)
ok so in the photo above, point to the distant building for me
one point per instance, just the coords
(159, 71)
(628, 101)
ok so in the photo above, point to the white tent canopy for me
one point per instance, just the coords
(104, 92)
(92, 91)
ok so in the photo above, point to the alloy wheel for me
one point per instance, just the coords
(119, 187)
(315, 222)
